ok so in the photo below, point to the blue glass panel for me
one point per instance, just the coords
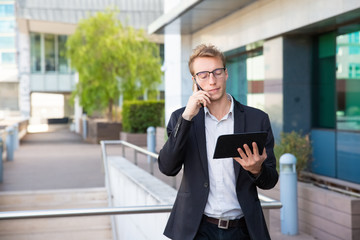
(8, 58)
(348, 156)
(7, 26)
(7, 42)
(7, 10)
(324, 152)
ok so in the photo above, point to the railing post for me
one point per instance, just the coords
(1, 160)
(16, 136)
(151, 143)
(123, 150)
(10, 144)
(84, 126)
(288, 195)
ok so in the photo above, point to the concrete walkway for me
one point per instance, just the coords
(60, 159)
(57, 159)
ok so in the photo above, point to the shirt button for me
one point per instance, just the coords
(206, 185)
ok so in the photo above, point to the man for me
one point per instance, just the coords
(217, 198)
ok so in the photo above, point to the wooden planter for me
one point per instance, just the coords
(322, 213)
(138, 139)
(160, 138)
(100, 129)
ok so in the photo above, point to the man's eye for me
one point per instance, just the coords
(202, 75)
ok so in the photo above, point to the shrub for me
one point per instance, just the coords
(137, 116)
(296, 144)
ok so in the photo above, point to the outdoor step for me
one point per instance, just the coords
(53, 199)
(47, 225)
(89, 227)
(88, 234)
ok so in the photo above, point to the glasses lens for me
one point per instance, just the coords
(203, 75)
(218, 72)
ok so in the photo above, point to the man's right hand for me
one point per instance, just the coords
(195, 101)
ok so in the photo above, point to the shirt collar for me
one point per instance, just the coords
(228, 115)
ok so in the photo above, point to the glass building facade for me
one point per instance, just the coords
(9, 86)
(7, 33)
(336, 109)
(335, 98)
(48, 54)
(246, 75)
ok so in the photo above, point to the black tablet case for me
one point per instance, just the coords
(227, 145)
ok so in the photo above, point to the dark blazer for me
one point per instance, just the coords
(186, 147)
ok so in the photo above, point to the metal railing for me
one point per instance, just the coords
(266, 202)
(81, 212)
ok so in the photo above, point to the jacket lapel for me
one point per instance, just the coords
(199, 124)
(239, 127)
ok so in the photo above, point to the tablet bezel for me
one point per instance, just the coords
(227, 145)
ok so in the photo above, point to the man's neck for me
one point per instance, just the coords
(220, 107)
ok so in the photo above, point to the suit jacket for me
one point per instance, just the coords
(186, 147)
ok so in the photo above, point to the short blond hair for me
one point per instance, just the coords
(204, 50)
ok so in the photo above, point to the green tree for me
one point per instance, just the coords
(112, 60)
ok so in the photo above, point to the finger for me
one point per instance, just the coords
(206, 101)
(264, 153)
(195, 89)
(242, 154)
(255, 148)
(247, 150)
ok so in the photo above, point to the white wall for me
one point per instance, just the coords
(266, 19)
(178, 83)
(132, 186)
(24, 71)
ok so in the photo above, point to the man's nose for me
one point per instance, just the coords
(212, 78)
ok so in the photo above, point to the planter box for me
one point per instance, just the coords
(160, 138)
(100, 129)
(138, 139)
(322, 213)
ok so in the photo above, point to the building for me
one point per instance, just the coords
(297, 60)
(8, 65)
(42, 30)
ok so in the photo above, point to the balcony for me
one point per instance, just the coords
(52, 82)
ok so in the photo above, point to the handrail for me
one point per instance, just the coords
(266, 202)
(81, 212)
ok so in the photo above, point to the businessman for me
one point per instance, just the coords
(217, 198)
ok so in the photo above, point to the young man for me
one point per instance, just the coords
(217, 198)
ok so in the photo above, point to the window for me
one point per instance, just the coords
(63, 61)
(348, 83)
(35, 57)
(246, 75)
(354, 70)
(7, 26)
(7, 10)
(8, 58)
(48, 53)
(7, 42)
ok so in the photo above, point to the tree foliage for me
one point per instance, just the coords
(112, 60)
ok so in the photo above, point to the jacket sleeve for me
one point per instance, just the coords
(268, 176)
(172, 155)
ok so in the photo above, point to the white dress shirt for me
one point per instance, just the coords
(222, 201)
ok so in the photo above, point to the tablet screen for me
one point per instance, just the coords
(227, 145)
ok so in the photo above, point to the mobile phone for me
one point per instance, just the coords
(200, 89)
(198, 86)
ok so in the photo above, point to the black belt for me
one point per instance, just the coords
(225, 224)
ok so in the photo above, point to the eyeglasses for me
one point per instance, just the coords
(205, 75)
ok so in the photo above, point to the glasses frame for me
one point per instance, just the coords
(208, 72)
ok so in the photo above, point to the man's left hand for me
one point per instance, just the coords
(251, 161)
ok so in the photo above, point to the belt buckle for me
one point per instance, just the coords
(223, 224)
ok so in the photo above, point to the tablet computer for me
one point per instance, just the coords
(227, 145)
